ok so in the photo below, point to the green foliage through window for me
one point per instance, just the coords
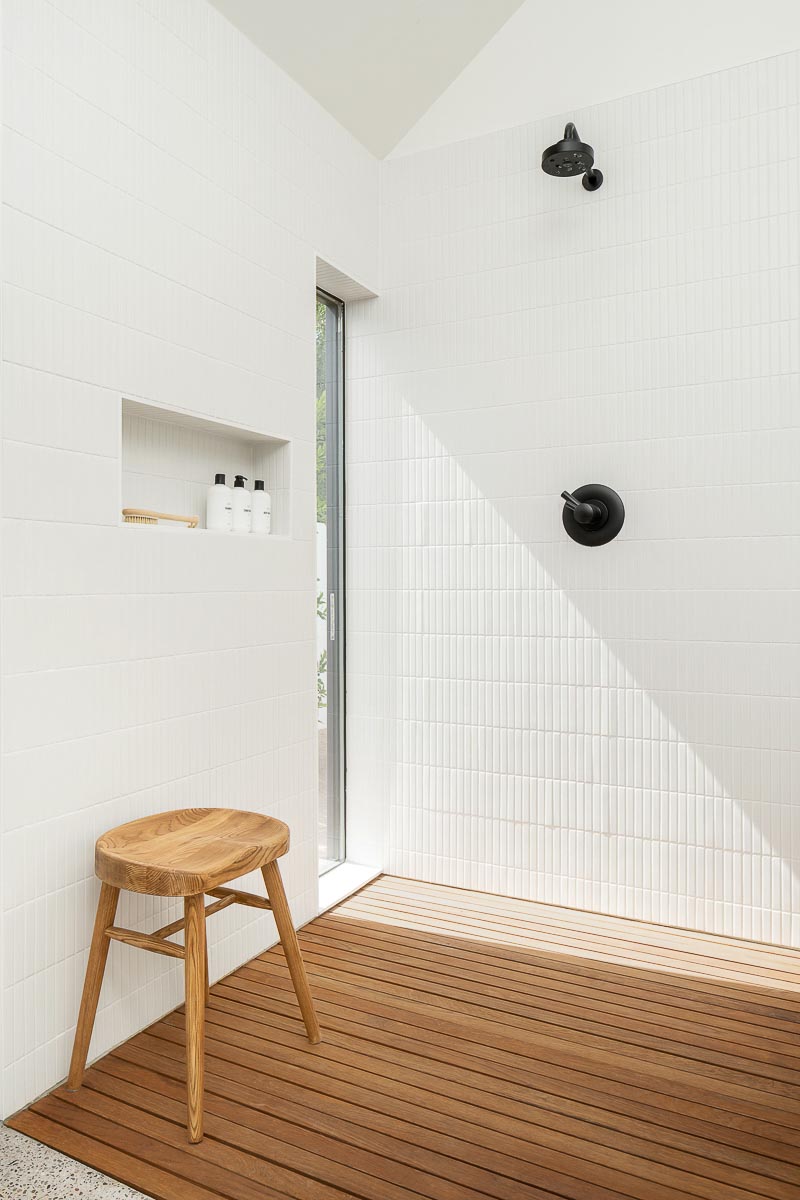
(322, 680)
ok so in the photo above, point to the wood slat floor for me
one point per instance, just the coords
(474, 1046)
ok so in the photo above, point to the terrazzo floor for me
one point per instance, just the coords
(31, 1171)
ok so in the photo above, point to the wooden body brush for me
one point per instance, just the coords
(147, 516)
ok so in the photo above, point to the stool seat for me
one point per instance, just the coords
(188, 850)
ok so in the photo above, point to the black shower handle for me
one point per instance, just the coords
(585, 512)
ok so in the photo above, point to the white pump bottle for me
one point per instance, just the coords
(242, 506)
(262, 508)
(219, 508)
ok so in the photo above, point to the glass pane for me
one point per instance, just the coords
(329, 648)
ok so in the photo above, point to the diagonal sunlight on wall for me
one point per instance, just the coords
(611, 728)
(520, 752)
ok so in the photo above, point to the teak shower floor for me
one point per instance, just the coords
(474, 1046)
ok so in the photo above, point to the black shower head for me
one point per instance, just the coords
(570, 157)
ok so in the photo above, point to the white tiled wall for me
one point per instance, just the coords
(611, 728)
(165, 193)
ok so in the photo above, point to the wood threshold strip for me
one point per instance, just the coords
(474, 1048)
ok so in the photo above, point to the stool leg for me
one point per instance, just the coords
(195, 941)
(294, 959)
(95, 969)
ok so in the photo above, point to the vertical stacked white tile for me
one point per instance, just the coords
(613, 728)
(165, 193)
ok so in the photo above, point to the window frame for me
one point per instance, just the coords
(335, 583)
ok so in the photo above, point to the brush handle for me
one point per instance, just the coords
(192, 522)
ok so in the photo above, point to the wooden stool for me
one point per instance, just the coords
(190, 852)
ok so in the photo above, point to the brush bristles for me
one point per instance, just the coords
(132, 519)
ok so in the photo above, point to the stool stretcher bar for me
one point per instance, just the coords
(249, 899)
(176, 926)
(157, 941)
(145, 941)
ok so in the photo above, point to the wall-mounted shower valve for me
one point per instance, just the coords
(593, 514)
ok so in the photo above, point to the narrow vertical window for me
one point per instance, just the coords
(330, 579)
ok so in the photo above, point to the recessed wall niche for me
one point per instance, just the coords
(169, 459)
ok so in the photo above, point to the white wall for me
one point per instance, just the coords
(165, 193)
(549, 57)
(613, 728)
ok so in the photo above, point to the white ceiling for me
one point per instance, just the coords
(560, 57)
(376, 65)
(405, 75)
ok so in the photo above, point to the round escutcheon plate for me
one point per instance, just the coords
(606, 528)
